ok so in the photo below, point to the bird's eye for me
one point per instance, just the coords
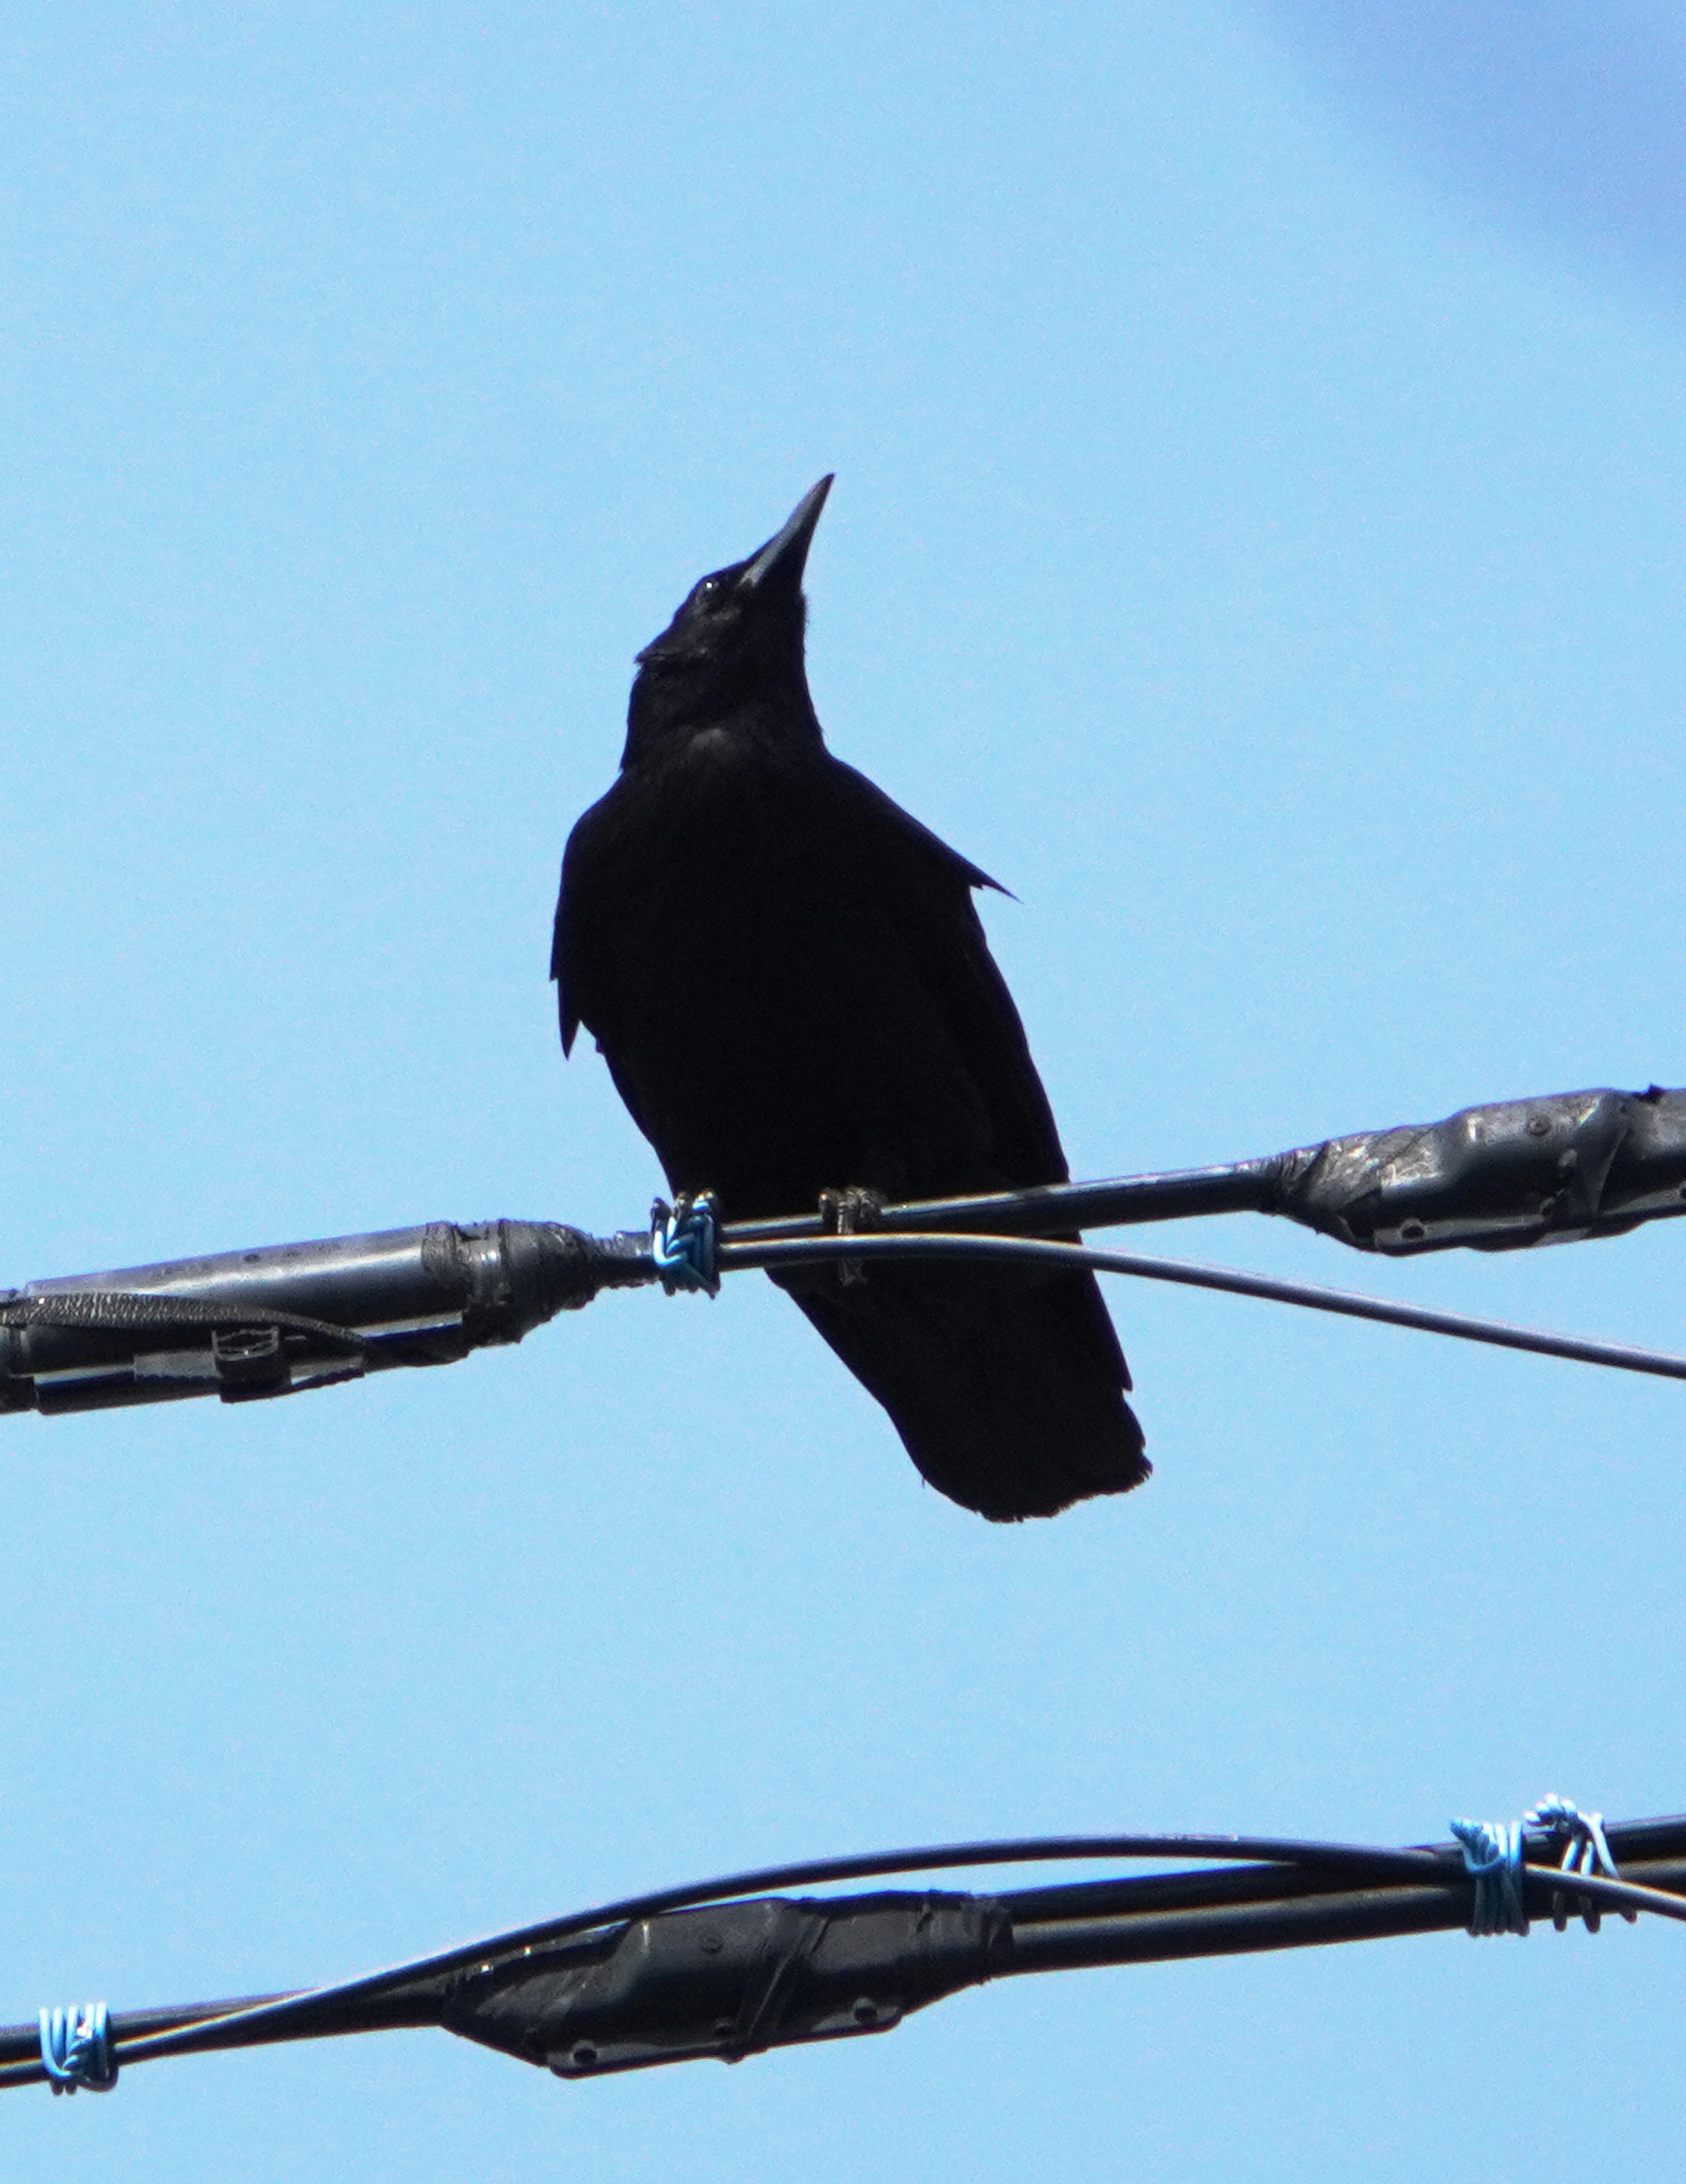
(708, 591)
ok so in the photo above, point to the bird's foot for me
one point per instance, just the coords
(853, 1213)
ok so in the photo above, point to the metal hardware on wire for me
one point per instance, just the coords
(1495, 1853)
(684, 1244)
(75, 2049)
(1584, 1850)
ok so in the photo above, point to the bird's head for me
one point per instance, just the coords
(738, 636)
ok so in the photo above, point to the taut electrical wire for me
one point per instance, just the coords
(1233, 1283)
(631, 1982)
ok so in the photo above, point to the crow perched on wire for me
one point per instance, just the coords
(790, 984)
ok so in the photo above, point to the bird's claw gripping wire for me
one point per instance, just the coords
(76, 2048)
(850, 1213)
(684, 1243)
(1495, 1853)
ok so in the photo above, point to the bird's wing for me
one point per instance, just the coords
(927, 889)
(582, 962)
(582, 945)
(571, 948)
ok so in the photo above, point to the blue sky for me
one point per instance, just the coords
(1564, 113)
(1257, 541)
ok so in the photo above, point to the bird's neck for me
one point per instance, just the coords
(773, 717)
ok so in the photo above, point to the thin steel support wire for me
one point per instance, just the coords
(1230, 1281)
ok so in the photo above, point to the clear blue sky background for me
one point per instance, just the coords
(1258, 540)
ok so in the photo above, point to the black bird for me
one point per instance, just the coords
(790, 984)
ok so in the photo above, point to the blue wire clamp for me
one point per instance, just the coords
(1492, 1857)
(1585, 1850)
(76, 2048)
(683, 1243)
(1493, 1853)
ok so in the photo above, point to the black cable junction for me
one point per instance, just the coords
(249, 1325)
(731, 1967)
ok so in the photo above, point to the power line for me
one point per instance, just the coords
(726, 1967)
(247, 1325)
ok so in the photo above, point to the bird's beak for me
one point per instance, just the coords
(780, 562)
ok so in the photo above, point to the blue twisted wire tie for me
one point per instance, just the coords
(76, 2048)
(1493, 1856)
(1585, 1850)
(1493, 1852)
(683, 1243)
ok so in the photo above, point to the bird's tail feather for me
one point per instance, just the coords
(1008, 1394)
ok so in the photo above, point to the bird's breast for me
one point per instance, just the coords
(769, 1011)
